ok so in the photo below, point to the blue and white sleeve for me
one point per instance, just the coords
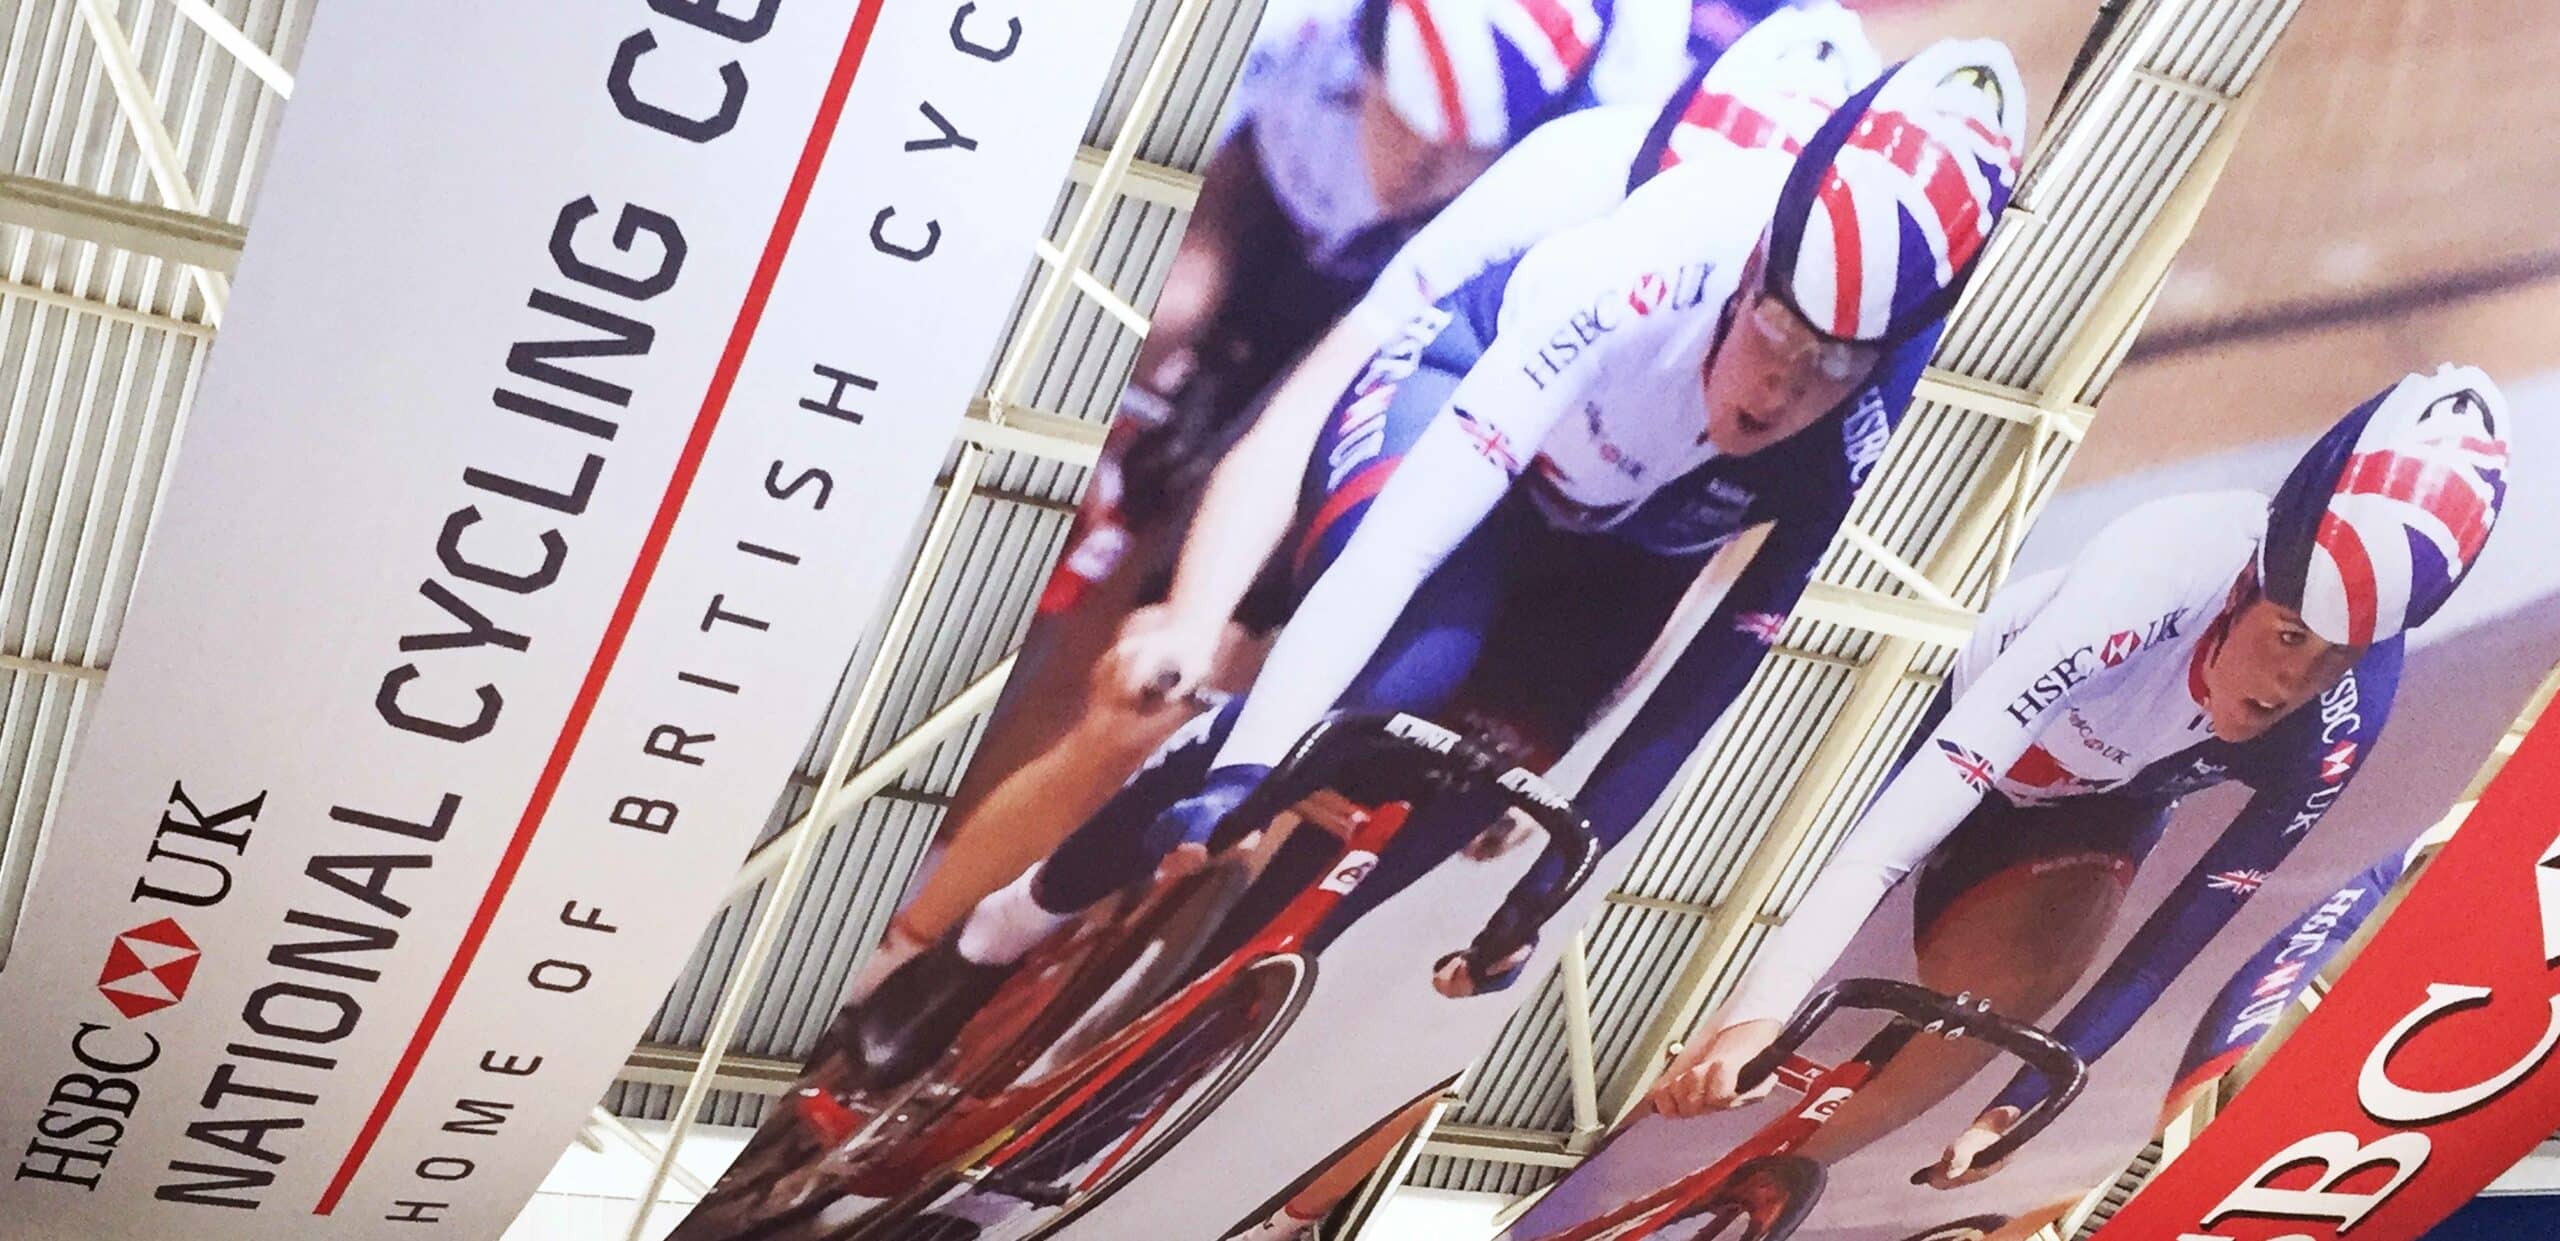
(2325, 752)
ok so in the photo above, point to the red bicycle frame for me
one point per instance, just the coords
(985, 1133)
(1822, 1090)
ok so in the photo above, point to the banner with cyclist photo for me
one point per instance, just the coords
(2296, 585)
(1517, 366)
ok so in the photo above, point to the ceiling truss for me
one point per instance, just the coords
(1884, 615)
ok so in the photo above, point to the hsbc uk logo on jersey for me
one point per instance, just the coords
(1683, 288)
(2056, 682)
(2339, 749)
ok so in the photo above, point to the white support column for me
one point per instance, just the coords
(232, 39)
(973, 700)
(159, 151)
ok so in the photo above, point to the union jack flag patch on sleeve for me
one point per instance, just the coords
(1973, 768)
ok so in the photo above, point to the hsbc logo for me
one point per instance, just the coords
(2340, 760)
(1684, 288)
(2072, 669)
(84, 1117)
(1650, 289)
(149, 967)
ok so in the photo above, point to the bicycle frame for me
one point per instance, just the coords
(982, 1135)
(1822, 1090)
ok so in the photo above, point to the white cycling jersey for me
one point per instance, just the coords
(1589, 393)
(2077, 681)
(2105, 729)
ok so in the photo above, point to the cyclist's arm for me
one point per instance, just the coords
(1252, 496)
(1986, 730)
(1459, 468)
(1675, 718)
(1567, 171)
(2258, 840)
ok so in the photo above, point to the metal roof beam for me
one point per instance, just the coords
(1161, 184)
(141, 110)
(658, 1064)
(121, 224)
(104, 310)
(1501, 1145)
(1896, 616)
(51, 668)
(1020, 428)
(230, 38)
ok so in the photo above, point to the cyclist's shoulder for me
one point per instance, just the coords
(2188, 543)
(1700, 213)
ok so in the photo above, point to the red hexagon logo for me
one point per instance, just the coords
(149, 968)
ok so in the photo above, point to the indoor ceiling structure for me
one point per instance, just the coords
(134, 131)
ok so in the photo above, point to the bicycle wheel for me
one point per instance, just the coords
(1121, 1131)
(1769, 1198)
(1161, 952)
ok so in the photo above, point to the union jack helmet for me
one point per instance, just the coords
(2380, 520)
(1480, 73)
(1777, 84)
(1887, 208)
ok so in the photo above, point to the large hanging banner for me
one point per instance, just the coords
(2422, 1075)
(589, 368)
(1517, 366)
(2294, 588)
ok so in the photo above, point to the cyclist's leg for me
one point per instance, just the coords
(921, 1005)
(1027, 814)
(1545, 669)
(2012, 908)
(2269, 983)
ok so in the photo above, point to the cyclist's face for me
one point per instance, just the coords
(2269, 665)
(1408, 172)
(1773, 375)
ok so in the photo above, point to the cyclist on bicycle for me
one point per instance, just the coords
(1588, 425)
(2200, 639)
(1344, 137)
(1219, 604)
(2248, 1009)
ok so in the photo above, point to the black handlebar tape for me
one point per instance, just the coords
(1922, 1006)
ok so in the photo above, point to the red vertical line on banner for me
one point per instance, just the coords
(714, 402)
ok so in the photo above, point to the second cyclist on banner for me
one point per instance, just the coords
(1537, 376)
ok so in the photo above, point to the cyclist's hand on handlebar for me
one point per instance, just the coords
(1704, 1077)
(1157, 661)
(1195, 819)
(1956, 1168)
(1457, 974)
(1506, 834)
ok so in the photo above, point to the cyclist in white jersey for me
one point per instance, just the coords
(1772, 87)
(1354, 121)
(1588, 425)
(2200, 639)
